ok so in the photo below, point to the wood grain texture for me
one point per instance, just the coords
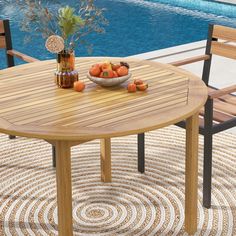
(1, 27)
(223, 32)
(35, 107)
(105, 149)
(70, 143)
(64, 189)
(224, 105)
(220, 92)
(190, 60)
(223, 49)
(21, 56)
(2, 42)
(229, 98)
(191, 174)
(219, 116)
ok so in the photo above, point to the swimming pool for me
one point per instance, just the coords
(136, 26)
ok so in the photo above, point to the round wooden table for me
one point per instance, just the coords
(32, 106)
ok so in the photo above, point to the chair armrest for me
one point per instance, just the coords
(221, 92)
(190, 60)
(21, 56)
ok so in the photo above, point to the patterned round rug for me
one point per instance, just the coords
(133, 204)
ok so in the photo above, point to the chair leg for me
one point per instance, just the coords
(141, 153)
(207, 168)
(207, 171)
(53, 156)
(12, 136)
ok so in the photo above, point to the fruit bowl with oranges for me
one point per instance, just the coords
(108, 74)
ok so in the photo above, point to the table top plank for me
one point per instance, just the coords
(129, 103)
(87, 113)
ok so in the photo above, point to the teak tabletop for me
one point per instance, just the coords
(32, 106)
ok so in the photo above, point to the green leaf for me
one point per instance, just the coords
(68, 21)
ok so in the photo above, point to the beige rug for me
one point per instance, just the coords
(133, 204)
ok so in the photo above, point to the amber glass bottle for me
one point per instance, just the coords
(66, 75)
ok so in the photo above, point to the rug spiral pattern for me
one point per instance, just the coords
(133, 204)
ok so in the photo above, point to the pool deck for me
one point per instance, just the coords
(227, 1)
(219, 76)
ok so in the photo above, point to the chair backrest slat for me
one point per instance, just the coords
(225, 33)
(5, 41)
(2, 42)
(1, 27)
(2, 35)
(221, 41)
(223, 49)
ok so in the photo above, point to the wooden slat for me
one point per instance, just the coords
(223, 32)
(21, 56)
(20, 101)
(219, 116)
(225, 107)
(2, 42)
(103, 108)
(228, 98)
(178, 103)
(135, 112)
(1, 27)
(231, 99)
(220, 92)
(190, 60)
(86, 110)
(223, 49)
(104, 94)
(67, 106)
(95, 115)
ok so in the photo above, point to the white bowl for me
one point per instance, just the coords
(110, 81)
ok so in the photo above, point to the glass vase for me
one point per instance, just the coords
(66, 75)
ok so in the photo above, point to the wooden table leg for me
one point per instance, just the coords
(106, 160)
(191, 174)
(64, 190)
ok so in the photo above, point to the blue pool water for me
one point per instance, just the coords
(136, 26)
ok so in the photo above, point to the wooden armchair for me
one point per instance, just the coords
(219, 112)
(6, 43)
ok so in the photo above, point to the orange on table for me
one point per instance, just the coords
(142, 87)
(138, 81)
(131, 88)
(79, 86)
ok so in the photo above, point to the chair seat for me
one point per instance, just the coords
(224, 108)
